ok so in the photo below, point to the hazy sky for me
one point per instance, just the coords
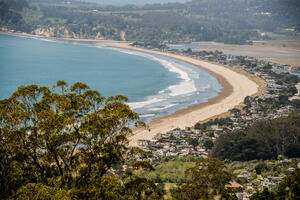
(138, 2)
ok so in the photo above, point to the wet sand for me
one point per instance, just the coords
(236, 86)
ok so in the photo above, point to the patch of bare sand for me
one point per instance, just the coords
(236, 87)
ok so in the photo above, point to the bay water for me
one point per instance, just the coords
(155, 85)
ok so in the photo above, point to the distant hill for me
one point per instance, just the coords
(136, 2)
(228, 21)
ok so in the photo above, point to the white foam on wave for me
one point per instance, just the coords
(135, 105)
(162, 108)
(48, 40)
(53, 40)
(147, 115)
(186, 86)
(204, 88)
(173, 95)
(171, 67)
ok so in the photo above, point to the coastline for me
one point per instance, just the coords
(231, 95)
(51, 38)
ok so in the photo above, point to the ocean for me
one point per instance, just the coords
(155, 85)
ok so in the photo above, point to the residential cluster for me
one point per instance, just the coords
(258, 175)
(279, 97)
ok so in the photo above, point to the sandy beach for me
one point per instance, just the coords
(236, 87)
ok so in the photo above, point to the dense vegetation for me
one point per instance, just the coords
(171, 169)
(265, 139)
(206, 180)
(10, 14)
(228, 21)
(69, 143)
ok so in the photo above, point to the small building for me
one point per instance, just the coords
(235, 187)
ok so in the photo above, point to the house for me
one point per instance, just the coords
(142, 142)
(291, 169)
(234, 187)
(244, 174)
(271, 182)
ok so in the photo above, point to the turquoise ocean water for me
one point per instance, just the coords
(156, 86)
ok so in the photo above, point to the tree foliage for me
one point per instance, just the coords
(206, 180)
(67, 139)
(265, 139)
(228, 21)
(10, 14)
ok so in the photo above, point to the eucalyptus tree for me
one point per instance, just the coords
(68, 138)
(206, 180)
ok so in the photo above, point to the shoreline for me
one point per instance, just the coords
(231, 95)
